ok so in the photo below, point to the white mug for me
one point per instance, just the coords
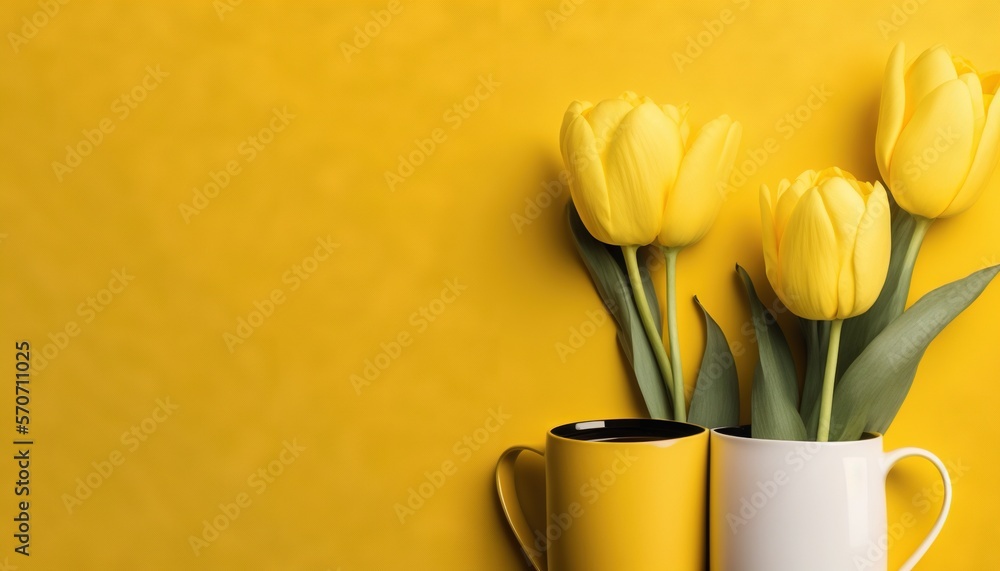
(779, 505)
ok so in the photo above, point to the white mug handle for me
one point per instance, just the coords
(890, 460)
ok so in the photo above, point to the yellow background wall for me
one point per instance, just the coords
(499, 293)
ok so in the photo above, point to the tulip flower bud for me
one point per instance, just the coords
(693, 203)
(826, 240)
(622, 155)
(938, 138)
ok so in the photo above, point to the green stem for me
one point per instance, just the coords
(829, 379)
(670, 254)
(910, 259)
(655, 340)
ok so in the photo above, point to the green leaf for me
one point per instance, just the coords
(775, 392)
(608, 274)
(859, 331)
(817, 339)
(647, 287)
(875, 385)
(716, 398)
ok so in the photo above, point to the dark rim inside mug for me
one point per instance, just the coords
(630, 428)
(744, 432)
(739, 431)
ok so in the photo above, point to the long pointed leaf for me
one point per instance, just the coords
(881, 376)
(611, 281)
(817, 337)
(775, 392)
(716, 398)
(647, 287)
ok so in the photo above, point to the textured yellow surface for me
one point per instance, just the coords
(234, 168)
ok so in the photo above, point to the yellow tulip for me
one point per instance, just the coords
(826, 243)
(622, 155)
(693, 203)
(938, 138)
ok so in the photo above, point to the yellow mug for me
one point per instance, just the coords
(619, 494)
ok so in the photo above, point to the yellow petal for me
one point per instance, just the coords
(693, 204)
(679, 116)
(574, 110)
(674, 113)
(684, 129)
(934, 152)
(991, 84)
(891, 109)
(844, 204)
(984, 163)
(642, 163)
(788, 196)
(633, 99)
(808, 258)
(990, 81)
(830, 172)
(931, 69)
(871, 252)
(972, 82)
(729, 152)
(844, 207)
(588, 186)
(728, 159)
(808, 178)
(604, 119)
(769, 237)
(963, 65)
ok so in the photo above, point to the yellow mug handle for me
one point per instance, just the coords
(507, 492)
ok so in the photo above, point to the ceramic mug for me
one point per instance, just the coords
(619, 494)
(778, 505)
